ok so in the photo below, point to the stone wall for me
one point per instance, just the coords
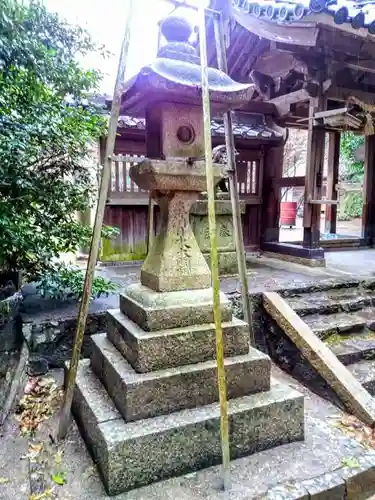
(50, 341)
(10, 344)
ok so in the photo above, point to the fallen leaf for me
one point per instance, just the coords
(38, 406)
(4, 480)
(46, 494)
(35, 448)
(31, 384)
(351, 421)
(59, 478)
(58, 457)
(350, 462)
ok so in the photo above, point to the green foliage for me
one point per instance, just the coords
(65, 282)
(352, 205)
(353, 170)
(43, 140)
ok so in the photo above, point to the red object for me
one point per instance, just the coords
(288, 213)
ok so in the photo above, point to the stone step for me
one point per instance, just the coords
(131, 455)
(154, 311)
(353, 348)
(149, 351)
(144, 395)
(364, 371)
(325, 325)
(332, 301)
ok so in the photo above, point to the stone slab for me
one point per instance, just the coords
(129, 455)
(329, 486)
(148, 351)
(293, 491)
(336, 323)
(354, 349)
(360, 481)
(339, 378)
(140, 396)
(364, 372)
(331, 301)
(154, 311)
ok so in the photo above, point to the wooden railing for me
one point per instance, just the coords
(250, 176)
(124, 191)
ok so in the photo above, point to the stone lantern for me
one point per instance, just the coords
(168, 94)
(155, 413)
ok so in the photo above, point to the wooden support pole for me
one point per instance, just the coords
(224, 425)
(314, 176)
(150, 224)
(271, 198)
(368, 217)
(95, 241)
(233, 183)
(332, 181)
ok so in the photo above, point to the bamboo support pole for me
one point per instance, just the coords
(95, 241)
(224, 428)
(233, 182)
(150, 224)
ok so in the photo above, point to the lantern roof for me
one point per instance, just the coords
(175, 76)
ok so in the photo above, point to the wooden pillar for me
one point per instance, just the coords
(368, 216)
(332, 181)
(314, 176)
(272, 173)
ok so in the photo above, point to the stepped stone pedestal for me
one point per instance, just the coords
(225, 234)
(147, 400)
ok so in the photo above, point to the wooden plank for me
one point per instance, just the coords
(342, 94)
(123, 199)
(278, 63)
(117, 175)
(332, 180)
(284, 102)
(330, 112)
(270, 211)
(259, 186)
(250, 199)
(368, 217)
(322, 202)
(298, 181)
(327, 20)
(314, 176)
(365, 66)
(347, 387)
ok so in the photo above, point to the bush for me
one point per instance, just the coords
(352, 205)
(66, 282)
(46, 126)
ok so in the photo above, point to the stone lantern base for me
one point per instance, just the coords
(147, 400)
(225, 234)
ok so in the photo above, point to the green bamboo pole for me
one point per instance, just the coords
(224, 428)
(233, 182)
(95, 241)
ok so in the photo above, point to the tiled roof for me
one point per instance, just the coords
(357, 13)
(251, 126)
